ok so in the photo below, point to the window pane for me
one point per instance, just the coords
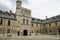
(8, 31)
(8, 22)
(23, 21)
(1, 22)
(27, 21)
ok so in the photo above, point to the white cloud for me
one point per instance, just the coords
(6, 3)
(40, 8)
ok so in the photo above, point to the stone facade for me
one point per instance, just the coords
(22, 24)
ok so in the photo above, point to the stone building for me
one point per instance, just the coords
(22, 24)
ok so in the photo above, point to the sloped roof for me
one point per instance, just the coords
(51, 19)
(10, 15)
(36, 20)
(5, 14)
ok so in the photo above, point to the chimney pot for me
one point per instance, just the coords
(46, 17)
(10, 11)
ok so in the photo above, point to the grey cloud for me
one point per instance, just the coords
(47, 7)
(25, 1)
(2, 7)
(13, 1)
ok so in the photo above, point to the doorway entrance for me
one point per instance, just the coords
(25, 32)
(18, 33)
(59, 31)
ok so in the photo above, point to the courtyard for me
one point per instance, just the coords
(40, 37)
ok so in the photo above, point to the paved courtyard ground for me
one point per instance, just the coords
(40, 37)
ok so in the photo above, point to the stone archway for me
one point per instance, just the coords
(25, 32)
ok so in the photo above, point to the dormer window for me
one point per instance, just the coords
(53, 18)
(9, 14)
(12, 15)
(47, 19)
(42, 20)
(38, 19)
(5, 14)
(58, 17)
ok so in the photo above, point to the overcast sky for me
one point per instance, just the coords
(40, 8)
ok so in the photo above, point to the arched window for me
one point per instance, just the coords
(8, 30)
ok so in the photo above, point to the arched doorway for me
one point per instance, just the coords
(25, 32)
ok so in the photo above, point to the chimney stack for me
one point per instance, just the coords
(10, 11)
(46, 17)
